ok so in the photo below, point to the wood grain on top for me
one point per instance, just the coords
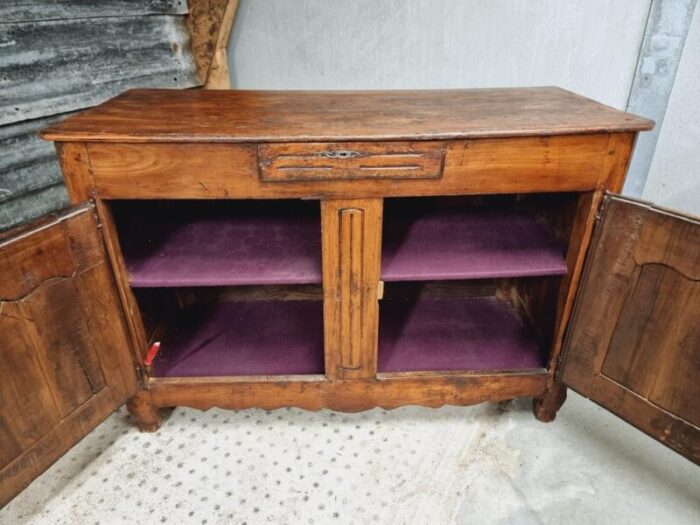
(298, 116)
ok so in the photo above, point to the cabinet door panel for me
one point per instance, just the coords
(62, 342)
(634, 342)
(64, 359)
(21, 424)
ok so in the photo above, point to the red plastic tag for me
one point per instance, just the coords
(151, 354)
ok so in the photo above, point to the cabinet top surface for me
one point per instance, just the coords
(163, 115)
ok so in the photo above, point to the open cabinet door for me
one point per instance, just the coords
(634, 342)
(65, 361)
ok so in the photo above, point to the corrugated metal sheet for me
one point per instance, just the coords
(31, 10)
(51, 65)
(62, 65)
(27, 163)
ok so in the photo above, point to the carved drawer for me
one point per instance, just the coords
(350, 160)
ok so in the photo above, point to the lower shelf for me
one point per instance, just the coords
(272, 338)
(245, 338)
(426, 334)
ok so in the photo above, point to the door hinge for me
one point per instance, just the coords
(141, 376)
(560, 359)
(95, 214)
(601, 209)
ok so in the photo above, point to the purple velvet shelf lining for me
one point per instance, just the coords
(279, 245)
(245, 338)
(454, 334)
(472, 243)
(286, 337)
(221, 249)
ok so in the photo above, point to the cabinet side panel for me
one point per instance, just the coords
(75, 166)
(611, 177)
(582, 230)
(620, 147)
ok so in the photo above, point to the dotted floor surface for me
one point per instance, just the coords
(484, 464)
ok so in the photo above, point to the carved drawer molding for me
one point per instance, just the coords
(350, 160)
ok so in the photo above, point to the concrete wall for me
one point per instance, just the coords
(674, 175)
(588, 46)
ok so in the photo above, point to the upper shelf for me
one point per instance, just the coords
(221, 245)
(264, 242)
(161, 115)
(467, 243)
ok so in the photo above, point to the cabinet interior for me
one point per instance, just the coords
(234, 288)
(235, 331)
(471, 283)
(229, 288)
(220, 243)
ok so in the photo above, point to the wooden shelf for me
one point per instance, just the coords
(466, 243)
(244, 338)
(222, 244)
(474, 334)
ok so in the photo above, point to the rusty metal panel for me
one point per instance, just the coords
(30, 177)
(61, 57)
(57, 66)
(28, 10)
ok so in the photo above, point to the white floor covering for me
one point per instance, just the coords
(489, 464)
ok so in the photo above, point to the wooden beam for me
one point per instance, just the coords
(209, 23)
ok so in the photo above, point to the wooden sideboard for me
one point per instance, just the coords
(348, 250)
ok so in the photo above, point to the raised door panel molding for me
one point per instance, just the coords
(351, 259)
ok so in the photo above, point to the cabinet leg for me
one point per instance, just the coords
(546, 407)
(147, 416)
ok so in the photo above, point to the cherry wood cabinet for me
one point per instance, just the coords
(345, 250)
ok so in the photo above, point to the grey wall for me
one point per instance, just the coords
(589, 46)
(60, 57)
(674, 176)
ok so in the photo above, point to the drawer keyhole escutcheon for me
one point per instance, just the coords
(340, 154)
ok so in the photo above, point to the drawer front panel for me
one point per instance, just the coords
(479, 166)
(528, 164)
(350, 160)
(173, 171)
